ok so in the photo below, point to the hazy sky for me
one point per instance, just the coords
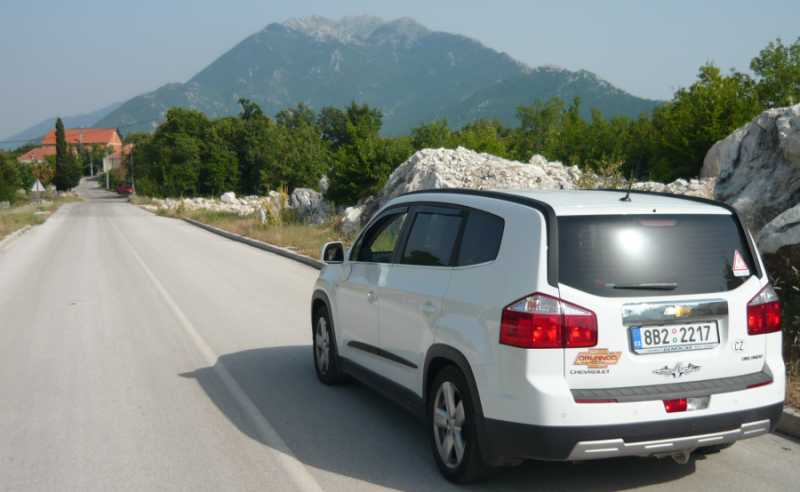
(69, 57)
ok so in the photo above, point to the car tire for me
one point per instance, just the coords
(453, 428)
(326, 357)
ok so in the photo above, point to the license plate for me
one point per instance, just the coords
(674, 338)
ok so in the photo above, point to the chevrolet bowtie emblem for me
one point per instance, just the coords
(677, 370)
(678, 311)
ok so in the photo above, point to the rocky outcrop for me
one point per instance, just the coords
(783, 230)
(309, 205)
(463, 168)
(227, 203)
(758, 166)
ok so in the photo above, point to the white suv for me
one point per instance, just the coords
(564, 325)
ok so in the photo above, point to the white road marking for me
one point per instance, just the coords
(301, 477)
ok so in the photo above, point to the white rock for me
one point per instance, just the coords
(759, 166)
(463, 168)
(324, 184)
(351, 219)
(783, 230)
(228, 197)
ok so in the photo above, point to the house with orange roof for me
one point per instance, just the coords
(107, 138)
(39, 154)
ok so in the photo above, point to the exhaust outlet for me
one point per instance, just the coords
(682, 457)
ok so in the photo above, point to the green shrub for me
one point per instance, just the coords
(9, 179)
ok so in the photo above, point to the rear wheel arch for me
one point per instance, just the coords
(440, 356)
(319, 300)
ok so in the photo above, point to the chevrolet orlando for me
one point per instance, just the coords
(563, 325)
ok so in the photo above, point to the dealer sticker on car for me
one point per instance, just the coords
(674, 338)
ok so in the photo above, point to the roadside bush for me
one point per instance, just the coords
(9, 178)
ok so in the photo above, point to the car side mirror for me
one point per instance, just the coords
(333, 252)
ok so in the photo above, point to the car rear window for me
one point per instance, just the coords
(651, 255)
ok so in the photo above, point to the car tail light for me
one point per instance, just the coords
(758, 385)
(542, 321)
(764, 312)
(677, 405)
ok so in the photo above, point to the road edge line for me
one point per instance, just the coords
(286, 253)
(277, 446)
(6, 241)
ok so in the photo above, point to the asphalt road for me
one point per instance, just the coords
(142, 353)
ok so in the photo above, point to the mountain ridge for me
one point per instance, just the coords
(414, 74)
(34, 133)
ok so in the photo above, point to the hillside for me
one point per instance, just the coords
(37, 131)
(412, 73)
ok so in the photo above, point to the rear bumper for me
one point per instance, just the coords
(508, 440)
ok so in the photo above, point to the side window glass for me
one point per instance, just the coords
(377, 245)
(432, 239)
(482, 236)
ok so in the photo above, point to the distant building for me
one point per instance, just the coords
(118, 156)
(108, 138)
(39, 154)
(86, 136)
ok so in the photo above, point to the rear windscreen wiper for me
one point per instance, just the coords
(646, 286)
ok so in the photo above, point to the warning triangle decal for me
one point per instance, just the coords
(740, 268)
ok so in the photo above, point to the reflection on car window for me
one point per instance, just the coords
(482, 235)
(432, 239)
(379, 241)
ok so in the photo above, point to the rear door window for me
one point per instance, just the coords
(483, 233)
(651, 255)
(432, 238)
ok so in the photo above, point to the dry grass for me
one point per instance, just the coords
(31, 213)
(306, 239)
(793, 391)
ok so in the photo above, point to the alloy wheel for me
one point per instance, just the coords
(322, 345)
(448, 424)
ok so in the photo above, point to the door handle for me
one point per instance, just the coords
(371, 297)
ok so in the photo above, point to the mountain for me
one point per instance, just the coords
(412, 73)
(35, 133)
(501, 100)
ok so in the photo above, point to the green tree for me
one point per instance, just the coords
(360, 164)
(778, 70)
(250, 109)
(332, 123)
(68, 166)
(539, 129)
(433, 135)
(488, 136)
(698, 116)
(297, 117)
(9, 178)
(219, 167)
(297, 157)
